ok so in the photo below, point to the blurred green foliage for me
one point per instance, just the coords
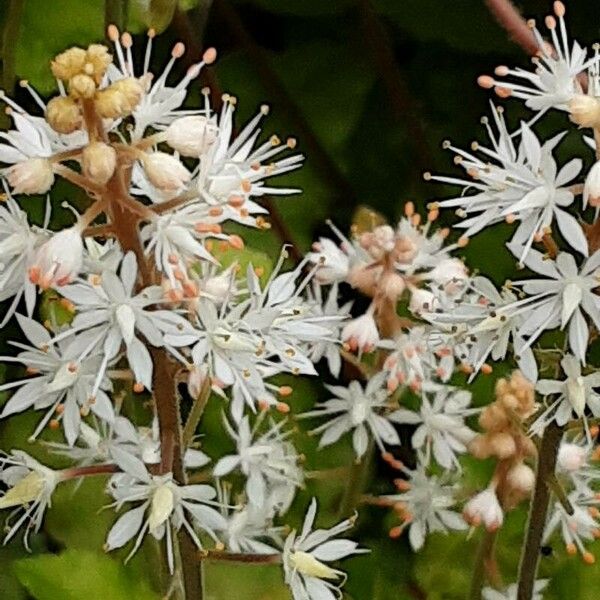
(316, 66)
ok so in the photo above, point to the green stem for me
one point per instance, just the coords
(10, 38)
(196, 413)
(357, 479)
(485, 552)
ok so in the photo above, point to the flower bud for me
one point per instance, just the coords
(195, 381)
(361, 333)
(193, 135)
(58, 260)
(32, 176)
(165, 171)
(421, 301)
(119, 99)
(585, 110)
(571, 457)
(82, 86)
(97, 60)
(485, 509)
(591, 187)
(521, 478)
(220, 286)
(99, 161)
(63, 114)
(68, 63)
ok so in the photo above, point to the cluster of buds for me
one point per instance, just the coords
(504, 438)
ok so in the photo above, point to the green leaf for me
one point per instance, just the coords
(80, 575)
(71, 23)
(53, 312)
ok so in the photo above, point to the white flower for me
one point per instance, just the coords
(305, 558)
(30, 488)
(267, 460)
(572, 457)
(333, 261)
(573, 394)
(416, 358)
(441, 428)
(59, 260)
(63, 381)
(32, 176)
(510, 593)
(553, 82)
(578, 528)
(361, 333)
(329, 349)
(561, 299)
(165, 171)
(17, 249)
(165, 508)
(247, 339)
(109, 314)
(356, 409)
(482, 323)
(519, 184)
(192, 135)
(484, 509)
(427, 506)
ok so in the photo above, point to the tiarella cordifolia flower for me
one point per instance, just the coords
(329, 349)
(155, 103)
(521, 184)
(561, 299)
(58, 261)
(361, 333)
(484, 509)
(577, 528)
(110, 314)
(193, 135)
(31, 176)
(416, 358)
(425, 505)
(18, 243)
(267, 460)
(166, 507)
(441, 430)
(482, 323)
(510, 593)
(165, 171)
(554, 81)
(570, 395)
(247, 339)
(249, 528)
(364, 411)
(62, 381)
(30, 488)
(305, 558)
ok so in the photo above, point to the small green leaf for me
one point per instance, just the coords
(79, 575)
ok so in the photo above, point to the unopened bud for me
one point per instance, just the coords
(98, 58)
(585, 110)
(68, 63)
(63, 114)
(119, 99)
(82, 86)
(32, 176)
(521, 478)
(193, 135)
(165, 171)
(99, 161)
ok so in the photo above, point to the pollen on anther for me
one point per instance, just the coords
(113, 33)
(486, 82)
(209, 56)
(126, 39)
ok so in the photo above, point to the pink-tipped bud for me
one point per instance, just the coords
(31, 176)
(58, 261)
(361, 333)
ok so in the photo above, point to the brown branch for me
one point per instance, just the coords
(510, 19)
(261, 559)
(76, 472)
(538, 510)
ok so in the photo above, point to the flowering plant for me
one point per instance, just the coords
(148, 302)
